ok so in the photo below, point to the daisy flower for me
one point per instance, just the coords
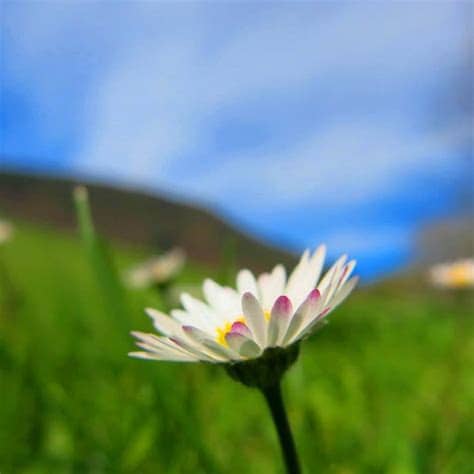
(253, 329)
(457, 274)
(157, 270)
(262, 313)
(6, 231)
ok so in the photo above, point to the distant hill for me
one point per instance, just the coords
(137, 218)
(446, 239)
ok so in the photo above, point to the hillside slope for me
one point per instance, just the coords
(137, 218)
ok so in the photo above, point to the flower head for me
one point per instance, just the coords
(236, 325)
(6, 231)
(156, 270)
(458, 274)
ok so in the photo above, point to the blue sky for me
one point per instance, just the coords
(347, 123)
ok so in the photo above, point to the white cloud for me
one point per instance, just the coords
(153, 106)
(343, 163)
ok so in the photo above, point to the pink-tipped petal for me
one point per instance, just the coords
(314, 324)
(254, 317)
(337, 299)
(324, 284)
(240, 328)
(307, 310)
(324, 313)
(315, 294)
(243, 345)
(282, 306)
(347, 271)
(344, 291)
(279, 320)
(306, 275)
(340, 271)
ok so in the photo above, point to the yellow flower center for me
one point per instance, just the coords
(459, 275)
(222, 331)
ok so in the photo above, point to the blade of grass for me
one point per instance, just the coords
(228, 267)
(101, 264)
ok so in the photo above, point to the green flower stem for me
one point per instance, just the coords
(274, 400)
(265, 373)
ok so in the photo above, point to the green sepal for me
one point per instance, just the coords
(266, 370)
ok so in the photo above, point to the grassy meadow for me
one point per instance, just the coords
(386, 387)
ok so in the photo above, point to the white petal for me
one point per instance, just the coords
(192, 319)
(197, 349)
(221, 298)
(309, 328)
(297, 275)
(313, 272)
(306, 275)
(171, 358)
(163, 323)
(191, 350)
(306, 311)
(316, 263)
(154, 349)
(201, 312)
(279, 320)
(180, 339)
(279, 280)
(243, 345)
(241, 328)
(150, 339)
(337, 299)
(246, 282)
(164, 345)
(254, 318)
(165, 352)
(325, 282)
(271, 285)
(343, 292)
(264, 283)
(209, 343)
(334, 281)
(348, 268)
(214, 294)
(181, 315)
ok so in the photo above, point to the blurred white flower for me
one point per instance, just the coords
(6, 231)
(159, 269)
(235, 325)
(457, 274)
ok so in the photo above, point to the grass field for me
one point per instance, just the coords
(386, 387)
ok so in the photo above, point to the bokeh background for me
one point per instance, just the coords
(242, 133)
